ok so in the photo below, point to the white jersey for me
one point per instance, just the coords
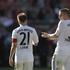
(26, 36)
(63, 33)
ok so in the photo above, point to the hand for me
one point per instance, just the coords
(11, 62)
(44, 34)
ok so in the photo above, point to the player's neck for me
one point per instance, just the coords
(25, 23)
(65, 19)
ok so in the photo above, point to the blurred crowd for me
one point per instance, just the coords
(42, 15)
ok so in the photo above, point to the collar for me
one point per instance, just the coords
(23, 24)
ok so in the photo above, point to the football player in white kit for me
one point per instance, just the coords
(61, 56)
(23, 39)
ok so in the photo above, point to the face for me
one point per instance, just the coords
(62, 15)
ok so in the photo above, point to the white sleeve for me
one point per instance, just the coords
(35, 37)
(58, 30)
(14, 34)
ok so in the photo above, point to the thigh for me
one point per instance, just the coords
(18, 66)
(67, 63)
(57, 63)
(28, 66)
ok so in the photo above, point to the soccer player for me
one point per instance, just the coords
(23, 39)
(61, 57)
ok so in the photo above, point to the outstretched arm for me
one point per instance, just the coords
(50, 36)
(57, 32)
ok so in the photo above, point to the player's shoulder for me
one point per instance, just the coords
(16, 29)
(65, 22)
(61, 22)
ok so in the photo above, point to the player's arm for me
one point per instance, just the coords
(54, 35)
(35, 38)
(12, 52)
(13, 47)
(50, 36)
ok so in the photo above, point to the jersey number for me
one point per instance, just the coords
(26, 37)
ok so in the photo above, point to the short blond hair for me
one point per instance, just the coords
(66, 11)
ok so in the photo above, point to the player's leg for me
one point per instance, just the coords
(57, 64)
(67, 64)
(28, 66)
(53, 63)
(18, 66)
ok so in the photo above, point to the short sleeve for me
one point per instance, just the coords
(14, 34)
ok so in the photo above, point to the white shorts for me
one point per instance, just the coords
(61, 58)
(24, 66)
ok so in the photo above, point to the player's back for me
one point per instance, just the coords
(25, 36)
